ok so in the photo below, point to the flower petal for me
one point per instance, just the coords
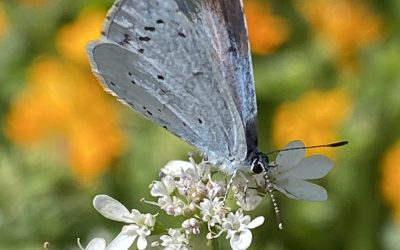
(158, 189)
(241, 241)
(256, 222)
(96, 244)
(124, 240)
(300, 189)
(176, 168)
(169, 183)
(112, 209)
(248, 201)
(141, 243)
(287, 159)
(310, 168)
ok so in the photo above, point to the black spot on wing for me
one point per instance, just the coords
(144, 38)
(231, 49)
(150, 29)
(127, 38)
(132, 81)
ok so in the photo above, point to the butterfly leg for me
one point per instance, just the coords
(228, 186)
(246, 186)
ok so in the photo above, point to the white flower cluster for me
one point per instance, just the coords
(185, 190)
(197, 196)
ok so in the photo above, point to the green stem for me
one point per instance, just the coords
(214, 244)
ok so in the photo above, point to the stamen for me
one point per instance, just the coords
(149, 202)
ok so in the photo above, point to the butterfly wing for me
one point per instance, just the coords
(226, 23)
(159, 58)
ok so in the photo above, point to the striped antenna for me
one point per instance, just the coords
(330, 145)
(270, 189)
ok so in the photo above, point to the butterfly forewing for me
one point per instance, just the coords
(159, 57)
(226, 25)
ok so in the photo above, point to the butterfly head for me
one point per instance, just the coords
(259, 163)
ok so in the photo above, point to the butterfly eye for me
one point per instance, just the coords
(257, 167)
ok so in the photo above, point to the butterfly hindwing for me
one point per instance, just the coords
(225, 21)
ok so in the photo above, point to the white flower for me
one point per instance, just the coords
(140, 224)
(164, 187)
(213, 211)
(126, 237)
(215, 189)
(238, 228)
(172, 206)
(177, 168)
(187, 184)
(246, 197)
(248, 201)
(123, 241)
(175, 240)
(292, 170)
(191, 226)
(197, 192)
(114, 210)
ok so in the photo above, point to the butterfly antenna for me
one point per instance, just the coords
(274, 203)
(330, 145)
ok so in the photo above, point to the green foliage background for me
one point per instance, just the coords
(41, 201)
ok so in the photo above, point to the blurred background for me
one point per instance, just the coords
(325, 70)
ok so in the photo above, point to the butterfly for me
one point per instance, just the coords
(185, 65)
